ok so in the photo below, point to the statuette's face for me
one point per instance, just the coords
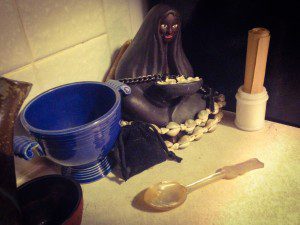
(169, 27)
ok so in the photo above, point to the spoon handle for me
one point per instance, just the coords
(206, 180)
(231, 172)
(227, 172)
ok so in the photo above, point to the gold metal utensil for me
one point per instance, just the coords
(167, 195)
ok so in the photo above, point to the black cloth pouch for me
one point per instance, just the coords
(140, 147)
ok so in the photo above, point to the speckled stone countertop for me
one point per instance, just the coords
(266, 196)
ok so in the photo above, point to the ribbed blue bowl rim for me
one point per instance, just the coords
(72, 129)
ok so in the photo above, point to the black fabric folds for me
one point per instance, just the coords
(140, 147)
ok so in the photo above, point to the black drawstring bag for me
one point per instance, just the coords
(140, 147)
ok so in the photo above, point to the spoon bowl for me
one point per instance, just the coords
(165, 195)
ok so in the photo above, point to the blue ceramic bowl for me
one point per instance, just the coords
(76, 125)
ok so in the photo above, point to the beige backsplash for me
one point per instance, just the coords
(49, 43)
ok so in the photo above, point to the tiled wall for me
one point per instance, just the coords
(53, 42)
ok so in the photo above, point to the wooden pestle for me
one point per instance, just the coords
(12, 95)
(256, 60)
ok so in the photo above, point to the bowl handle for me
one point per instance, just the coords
(121, 87)
(24, 147)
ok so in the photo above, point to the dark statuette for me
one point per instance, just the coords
(157, 50)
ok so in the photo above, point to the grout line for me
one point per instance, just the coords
(14, 68)
(8, 73)
(32, 64)
(48, 56)
(23, 28)
(33, 60)
(107, 40)
(69, 47)
(130, 16)
(143, 7)
(106, 28)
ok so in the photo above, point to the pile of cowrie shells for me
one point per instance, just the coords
(192, 129)
(179, 80)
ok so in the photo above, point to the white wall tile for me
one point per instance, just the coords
(85, 62)
(66, 38)
(55, 25)
(137, 9)
(27, 74)
(14, 51)
(117, 18)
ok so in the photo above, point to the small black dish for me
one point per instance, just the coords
(171, 91)
(51, 199)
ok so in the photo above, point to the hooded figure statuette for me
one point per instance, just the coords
(157, 49)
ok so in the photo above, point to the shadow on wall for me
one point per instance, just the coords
(215, 41)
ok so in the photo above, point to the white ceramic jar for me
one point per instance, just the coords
(250, 110)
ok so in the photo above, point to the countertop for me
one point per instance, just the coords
(265, 196)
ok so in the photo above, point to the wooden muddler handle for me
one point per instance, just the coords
(233, 171)
(256, 60)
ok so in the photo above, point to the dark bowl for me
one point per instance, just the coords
(51, 199)
(171, 91)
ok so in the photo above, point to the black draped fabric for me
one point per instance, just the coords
(148, 53)
(140, 147)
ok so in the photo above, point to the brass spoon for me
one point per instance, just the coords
(167, 195)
